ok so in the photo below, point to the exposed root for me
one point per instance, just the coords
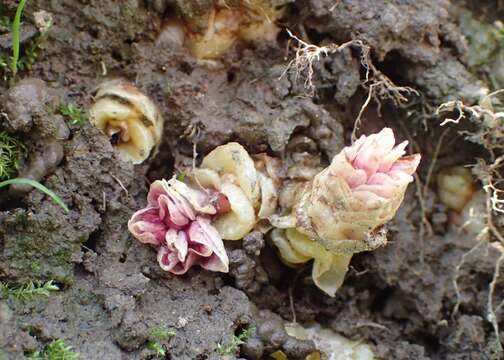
(432, 165)
(292, 286)
(305, 55)
(452, 106)
(420, 193)
(491, 131)
(484, 108)
(493, 203)
(495, 200)
(425, 224)
(481, 239)
(489, 135)
(491, 317)
(380, 88)
(335, 5)
(377, 84)
(120, 184)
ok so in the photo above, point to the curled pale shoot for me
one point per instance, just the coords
(230, 169)
(227, 25)
(329, 269)
(250, 187)
(129, 118)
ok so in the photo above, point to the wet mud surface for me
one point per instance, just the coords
(399, 299)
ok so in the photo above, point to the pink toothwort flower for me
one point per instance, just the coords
(377, 165)
(358, 192)
(345, 205)
(201, 244)
(176, 220)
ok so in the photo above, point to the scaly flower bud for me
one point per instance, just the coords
(340, 211)
(360, 191)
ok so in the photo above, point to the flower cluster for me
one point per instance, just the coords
(359, 191)
(341, 210)
(336, 214)
(177, 220)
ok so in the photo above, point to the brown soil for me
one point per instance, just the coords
(400, 299)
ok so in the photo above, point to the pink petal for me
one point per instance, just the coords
(167, 259)
(171, 213)
(373, 150)
(341, 167)
(182, 204)
(156, 189)
(181, 244)
(386, 185)
(147, 226)
(171, 222)
(380, 184)
(355, 178)
(176, 241)
(174, 255)
(174, 209)
(203, 233)
(374, 165)
(352, 150)
(384, 191)
(198, 240)
(389, 159)
(197, 199)
(407, 164)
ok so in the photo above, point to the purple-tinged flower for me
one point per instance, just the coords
(200, 245)
(176, 220)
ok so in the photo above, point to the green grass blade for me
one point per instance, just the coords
(37, 186)
(16, 27)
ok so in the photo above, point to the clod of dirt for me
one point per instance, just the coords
(172, 35)
(253, 348)
(29, 107)
(249, 275)
(411, 27)
(89, 261)
(271, 331)
(10, 337)
(253, 242)
(470, 331)
(27, 100)
(40, 164)
(257, 114)
(485, 54)
(28, 32)
(23, 256)
(342, 70)
(160, 6)
(187, 10)
(298, 349)
(447, 80)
